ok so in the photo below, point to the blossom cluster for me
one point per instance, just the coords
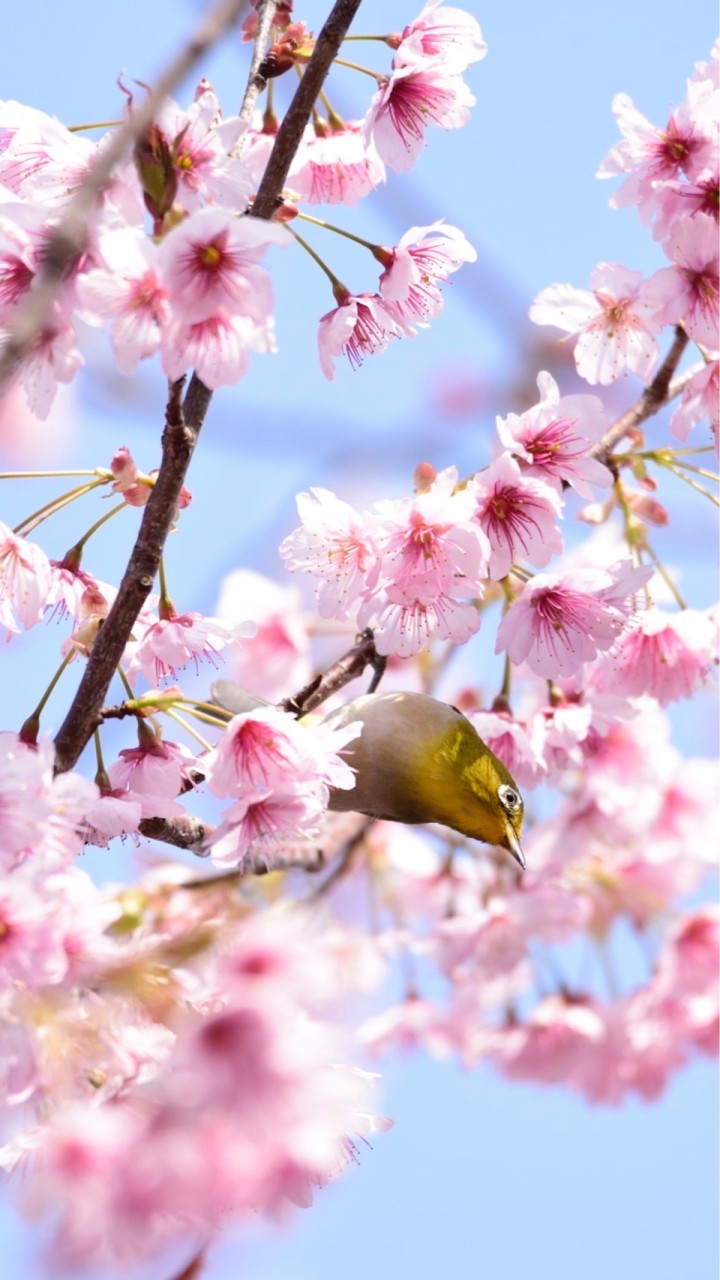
(179, 1039)
(672, 176)
(192, 289)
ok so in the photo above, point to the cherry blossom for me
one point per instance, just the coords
(560, 622)
(126, 286)
(421, 259)
(518, 513)
(218, 348)
(664, 655)
(335, 543)
(25, 580)
(210, 264)
(153, 774)
(203, 150)
(276, 657)
(553, 440)
(431, 543)
(651, 155)
(171, 643)
(701, 399)
(615, 324)
(360, 326)
(451, 37)
(689, 292)
(335, 165)
(409, 100)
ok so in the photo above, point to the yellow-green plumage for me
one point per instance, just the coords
(419, 760)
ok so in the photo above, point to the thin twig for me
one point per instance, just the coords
(292, 128)
(652, 399)
(255, 81)
(349, 667)
(69, 238)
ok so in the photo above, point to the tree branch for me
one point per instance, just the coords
(349, 667)
(184, 832)
(69, 238)
(183, 425)
(652, 399)
(292, 128)
(255, 81)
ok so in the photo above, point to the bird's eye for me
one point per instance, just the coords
(509, 797)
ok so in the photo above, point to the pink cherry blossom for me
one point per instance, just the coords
(405, 625)
(268, 749)
(218, 348)
(170, 644)
(126, 287)
(664, 655)
(25, 580)
(518, 513)
(554, 439)
(337, 545)
(276, 657)
(54, 358)
(651, 155)
(615, 325)
(335, 165)
(422, 258)
(203, 147)
(689, 292)
(560, 622)
(679, 198)
(210, 264)
(45, 162)
(441, 34)
(41, 814)
(408, 101)
(431, 543)
(262, 822)
(362, 325)
(153, 774)
(22, 236)
(701, 399)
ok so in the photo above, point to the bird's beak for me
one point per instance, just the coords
(513, 845)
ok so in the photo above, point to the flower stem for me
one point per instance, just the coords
(337, 285)
(355, 66)
(665, 575)
(41, 704)
(49, 508)
(97, 525)
(329, 226)
(96, 124)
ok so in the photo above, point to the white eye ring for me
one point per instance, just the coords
(509, 797)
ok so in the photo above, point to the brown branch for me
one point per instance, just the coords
(179, 440)
(183, 425)
(652, 399)
(184, 832)
(255, 81)
(69, 238)
(292, 128)
(349, 667)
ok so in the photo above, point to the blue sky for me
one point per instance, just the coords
(479, 1177)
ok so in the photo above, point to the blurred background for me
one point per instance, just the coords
(478, 1176)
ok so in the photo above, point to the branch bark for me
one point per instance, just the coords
(652, 399)
(183, 424)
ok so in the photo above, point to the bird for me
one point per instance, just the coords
(417, 760)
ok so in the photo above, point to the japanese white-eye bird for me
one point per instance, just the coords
(417, 760)
(421, 760)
